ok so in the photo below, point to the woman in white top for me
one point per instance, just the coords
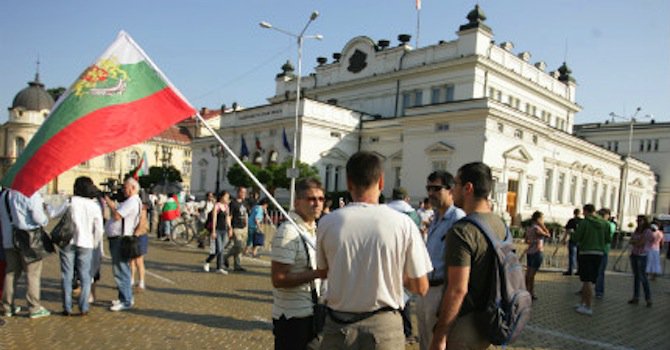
(87, 217)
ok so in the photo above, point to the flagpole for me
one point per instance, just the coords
(418, 22)
(251, 175)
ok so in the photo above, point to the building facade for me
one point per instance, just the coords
(439, 107)
(32, 105)
(648, 142)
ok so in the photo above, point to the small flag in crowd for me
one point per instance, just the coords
(142, 168)
(285, 142)
(258, 144)
(120, 100)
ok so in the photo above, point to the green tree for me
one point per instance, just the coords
(156, 176)
(56, 92)
(239, 178)
(280, 180)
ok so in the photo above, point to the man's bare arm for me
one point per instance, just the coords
(457, 288)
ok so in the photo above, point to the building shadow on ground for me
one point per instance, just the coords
(208, 320)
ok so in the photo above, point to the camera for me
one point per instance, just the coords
(113, 189)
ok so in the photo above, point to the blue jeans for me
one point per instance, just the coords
(572, 256)
(72, 257)
(600, 282)
(121, 270)
(638, 264)
(220, 242)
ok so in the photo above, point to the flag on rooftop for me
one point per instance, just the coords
(120, 100)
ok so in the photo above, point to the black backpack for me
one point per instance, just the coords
(64, 230)
(508, 306)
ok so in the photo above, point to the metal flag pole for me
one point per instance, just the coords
(251, 175)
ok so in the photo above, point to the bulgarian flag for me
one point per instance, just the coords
(142, 168)
(120, 100)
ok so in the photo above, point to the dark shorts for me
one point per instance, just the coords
(144, 244)
(588, 267)
(535, 260)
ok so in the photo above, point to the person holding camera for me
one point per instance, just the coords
(124, 218)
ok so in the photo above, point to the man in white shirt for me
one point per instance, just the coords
(294, 270)
(123, 220)
(369, 252)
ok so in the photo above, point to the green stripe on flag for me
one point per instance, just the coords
(143, 81)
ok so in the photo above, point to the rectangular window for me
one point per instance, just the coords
(573, 189)
(613, 199)
(603, 197)
(435, 95)
(616, 146)
(641, 145)
(442, 127)
(439, 165)
(418, 98)
(450, 92)
(648, 145)
(548, 179)
(518, 134)
(561, 187)
(406, 100)
(585, 188)
(398, 176)
(492, 92)
(594, 194)
(529, 195)
(656, 145)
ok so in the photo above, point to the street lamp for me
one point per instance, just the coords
(623, 188)
(293, 172)
(217, 151)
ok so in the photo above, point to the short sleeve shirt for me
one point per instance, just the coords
(367, 248)
(129, 211)
(287, 248)
(239, 213)
(468, 247)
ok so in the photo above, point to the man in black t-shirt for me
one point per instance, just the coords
(239, 215)
(570, 228)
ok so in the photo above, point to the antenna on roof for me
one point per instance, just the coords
(37, 68)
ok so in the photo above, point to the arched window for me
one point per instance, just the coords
(258, 158)
(272, 158)
(203, 174)
(20, 145)
(133, 159)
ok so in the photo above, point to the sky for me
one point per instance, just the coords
(215, 52)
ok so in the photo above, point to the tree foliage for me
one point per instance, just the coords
(273, 176)
(56, 92)
(157, 175)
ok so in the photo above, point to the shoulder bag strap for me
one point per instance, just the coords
(315, 298)
(9, 212)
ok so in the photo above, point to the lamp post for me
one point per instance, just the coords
(217, 151)
(623, 187)
(293, 172)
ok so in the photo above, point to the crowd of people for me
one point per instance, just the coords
(342, 278)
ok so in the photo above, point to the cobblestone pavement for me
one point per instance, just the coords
(186, 308)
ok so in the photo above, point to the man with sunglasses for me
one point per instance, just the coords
(369, 252)
(438, 186)
(294, 269)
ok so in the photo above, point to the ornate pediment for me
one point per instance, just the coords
(439, 149)
(396, 157)
(518, 153)
(637, 182)
(334, 154)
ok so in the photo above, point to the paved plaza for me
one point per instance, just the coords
(186, 308)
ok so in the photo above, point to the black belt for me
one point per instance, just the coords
(113, 238)
(436, 283)
(353, 317)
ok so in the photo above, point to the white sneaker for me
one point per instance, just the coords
(206, 267)
(141, 285)
(222, 271)
(116, 302)
(119, 307)
(584, 310)
(577, 306)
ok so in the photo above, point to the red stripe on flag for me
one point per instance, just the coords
(101, 131)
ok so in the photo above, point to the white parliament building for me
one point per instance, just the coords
(439, 107)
